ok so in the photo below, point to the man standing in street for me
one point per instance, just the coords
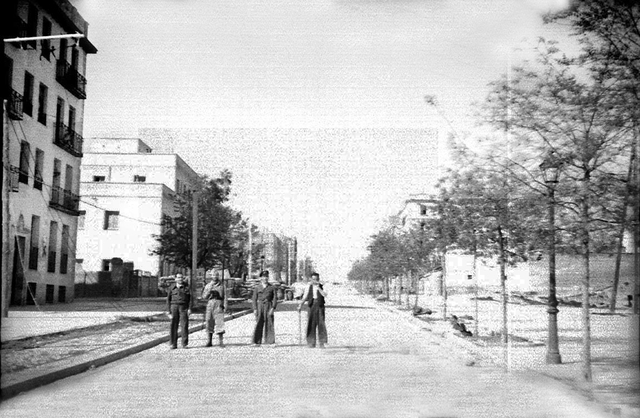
(216, 296)
(179, 308)
(264, 305)
(315, 295)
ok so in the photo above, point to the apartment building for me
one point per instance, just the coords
(44, 87)
(126, 189)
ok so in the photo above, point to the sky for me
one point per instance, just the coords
(317, 107)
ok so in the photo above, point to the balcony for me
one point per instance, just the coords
(68, 139)
(64, 200)
(15, 178)
(14, 103)
(17, 29)
(71, 79)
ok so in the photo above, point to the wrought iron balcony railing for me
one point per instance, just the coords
(17, 28)
(71, 79)
(14, 103)
(15, 178)
(68, 139)
(62, 199)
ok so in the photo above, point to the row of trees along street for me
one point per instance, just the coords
(559, 171)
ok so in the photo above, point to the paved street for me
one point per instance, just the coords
(376, 365)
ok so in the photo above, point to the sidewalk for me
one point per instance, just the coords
(616, 375)
(30, 321)
(87, 352)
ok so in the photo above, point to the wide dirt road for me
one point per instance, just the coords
(375, 365)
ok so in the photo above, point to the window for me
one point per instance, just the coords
(37, 178)
(72, 118)
(111, 219)
(27, 100)
(53, 246)
(57, 173)
(35, 237)
(49, 293)
(32, 25)
(68, 178)
(62, 53)
(46, 43)
(423, 210)
(25, 153)
(64, 249)
(81, 218)
(106, 265)
(59, 113)
(139, 179)
(98, 178)
(42, 104)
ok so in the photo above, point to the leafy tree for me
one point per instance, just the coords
(558, 106)
(609, 31)
(217, 226)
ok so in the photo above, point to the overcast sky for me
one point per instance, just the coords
(317, 107)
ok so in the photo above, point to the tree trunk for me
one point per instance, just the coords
(444, 284)
(586, 323)
(409, 287)
(400, 291)
(503, 285)
(386, 285)
(623, 224)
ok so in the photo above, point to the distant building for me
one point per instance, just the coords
(44, 85)
(126, 189)
(417, 210)
(280, 255)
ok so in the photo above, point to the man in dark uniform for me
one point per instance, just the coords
(264, 305)
(314, 295)
(179, 308)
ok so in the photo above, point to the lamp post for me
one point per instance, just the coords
(550, 168)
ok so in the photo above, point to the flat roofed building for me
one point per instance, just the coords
(126, 190)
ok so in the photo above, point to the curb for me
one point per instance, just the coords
(46, 378)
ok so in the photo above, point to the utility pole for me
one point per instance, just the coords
(250, 258)
(194, 241)
(6, 216)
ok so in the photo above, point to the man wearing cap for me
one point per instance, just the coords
(315, 295)
(179, 308)
(264, 305)
(216, 296)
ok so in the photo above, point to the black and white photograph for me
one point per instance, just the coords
(320, 208)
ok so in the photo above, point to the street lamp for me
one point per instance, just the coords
(550, 168)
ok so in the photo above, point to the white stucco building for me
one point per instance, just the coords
(126, 189)
(44, 87)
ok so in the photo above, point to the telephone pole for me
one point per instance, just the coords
(194, 241)
(250, 258)
(6, 216)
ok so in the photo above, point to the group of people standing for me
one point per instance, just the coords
(264, 303)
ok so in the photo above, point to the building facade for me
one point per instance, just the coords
(126, 190)
(44, 89)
